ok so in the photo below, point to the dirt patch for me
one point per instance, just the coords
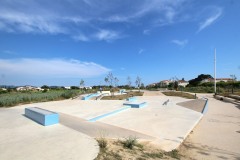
(180, 94)
(123, 96)
(141, 151)
(153, 93)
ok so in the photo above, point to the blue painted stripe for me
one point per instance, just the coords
(108, 114)
(205, 109)
(87, 97)
(136, 105)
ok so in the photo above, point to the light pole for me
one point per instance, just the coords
(215, 68)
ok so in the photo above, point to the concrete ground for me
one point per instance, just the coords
(166, 126)
(22, 138)
(217, 136)
(169, 124)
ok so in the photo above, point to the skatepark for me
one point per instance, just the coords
(165, 125)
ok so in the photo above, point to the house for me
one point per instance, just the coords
(165, 83)
(183, 83)
(217, 80)
(29, 88)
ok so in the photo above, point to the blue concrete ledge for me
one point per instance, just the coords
(136, 105)
(130, 99)
(42, 116)
(122, 90)
(109, 114)
(87, 97)
(205, 109)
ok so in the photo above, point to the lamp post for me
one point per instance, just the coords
(215, 89)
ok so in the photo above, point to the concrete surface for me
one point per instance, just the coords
(24, 139)
(217, 136)
(166, 126)
(196, 105)
(169, 124)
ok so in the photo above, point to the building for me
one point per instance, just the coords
(29, 88)
(165, 83)
(183, 83)
(217, 80)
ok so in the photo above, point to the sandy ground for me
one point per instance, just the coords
(217, 136)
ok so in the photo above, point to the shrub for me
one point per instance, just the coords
(102, 142)
(130, 142)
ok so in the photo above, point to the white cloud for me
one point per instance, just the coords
(140, 51)
(23, 22)
(107, 35)
(81, 37)
(181, 43)
(146, 31)
(210, 20)
(46, 17)
(50, 68)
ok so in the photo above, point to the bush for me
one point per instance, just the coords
(130, 142)
(174, 154)
(102, 142)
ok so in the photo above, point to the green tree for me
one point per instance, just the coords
(234, 78)
(82, 83)
(138, 82)
(199, 79)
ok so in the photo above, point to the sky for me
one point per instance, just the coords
(60, 42)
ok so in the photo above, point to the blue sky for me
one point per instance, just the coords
(60, 42)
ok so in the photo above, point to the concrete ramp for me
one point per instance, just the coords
(97, 129)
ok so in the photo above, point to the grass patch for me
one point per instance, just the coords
(15, 98)
(179, 94)
(174, 154)
(123, 96)
(154, 155)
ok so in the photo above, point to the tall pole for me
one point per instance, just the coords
(215, 88)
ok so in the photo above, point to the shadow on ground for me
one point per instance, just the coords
(206, 151)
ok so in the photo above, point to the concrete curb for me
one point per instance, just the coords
(226, 99)
(108, 114)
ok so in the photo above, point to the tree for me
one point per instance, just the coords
(199, 79)
(116, 81)
(129, 82)
(175, 85)
(82, 84)
(109, 79)
(142, 86)
(45, 87)
(234, 78)
(138, 82)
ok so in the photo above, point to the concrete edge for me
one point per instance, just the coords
(205, 108)
(226, 99)
(109, 114)
(188, 132)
